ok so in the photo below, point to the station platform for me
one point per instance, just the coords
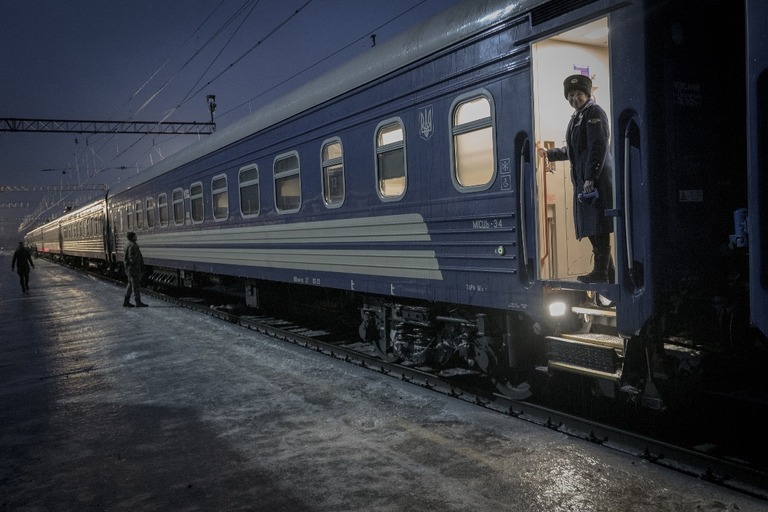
(105, 408)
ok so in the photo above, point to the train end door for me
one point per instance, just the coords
(757, 147)
(582, 50)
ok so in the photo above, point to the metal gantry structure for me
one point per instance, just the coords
(15, 124)
(51, 188)
(83, 126)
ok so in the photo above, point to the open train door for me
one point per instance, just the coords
(581, 50)
(757, 144)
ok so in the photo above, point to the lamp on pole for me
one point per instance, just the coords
(211, 98)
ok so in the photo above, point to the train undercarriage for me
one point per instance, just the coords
(696, 344)
(661, 367)
(664, 366)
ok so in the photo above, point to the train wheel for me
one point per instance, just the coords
(385, 350)
(520, 392)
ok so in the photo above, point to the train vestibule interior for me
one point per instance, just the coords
(582, 50)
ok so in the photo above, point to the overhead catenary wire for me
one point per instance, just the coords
(213, 61)
(229, 21)
(248, 6)
(247, 52)
(210, 40)
(355, 41)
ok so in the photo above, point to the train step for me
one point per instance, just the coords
(591, 354)
(595, 311)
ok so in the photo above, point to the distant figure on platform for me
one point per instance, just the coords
(22, 260)
(134, 268)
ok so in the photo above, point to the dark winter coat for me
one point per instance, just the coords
(133, 261)
(588, 150)
(22, 260)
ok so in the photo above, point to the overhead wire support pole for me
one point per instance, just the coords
(81, 126)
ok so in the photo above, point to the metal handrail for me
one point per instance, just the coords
(627, 211)
(521, 201)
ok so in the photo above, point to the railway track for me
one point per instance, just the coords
(735, 474)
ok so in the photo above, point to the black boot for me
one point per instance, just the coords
(611, 269)
(600, 272)
(127, 304)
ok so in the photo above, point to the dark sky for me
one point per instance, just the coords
(149, 60)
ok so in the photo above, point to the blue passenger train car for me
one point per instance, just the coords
(757, 147)
(407, 183)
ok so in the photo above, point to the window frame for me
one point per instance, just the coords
(192, 198)
(147, 215)
(219, 191)
(241, 185)
(472, 126)
(392, 146)
(174, 202)
(328, 164)
(286, 174)
(162, 199)
(138, 209)
(118, 220)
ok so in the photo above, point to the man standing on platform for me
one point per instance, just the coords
(134, 268)
(22, 260)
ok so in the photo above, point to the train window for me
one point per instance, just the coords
(333, 173)
(196, 202)
(248, 179)
(390, 160)
(178, 206)
(162, 208)
(129, 217)
(287, 183)
(220, 197)
(139, 215)
(150, 213)
(472, 142)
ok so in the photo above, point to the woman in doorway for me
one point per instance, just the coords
(588, 150)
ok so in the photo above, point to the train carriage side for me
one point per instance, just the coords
(49, 244)
(757, 146)
(403, 188)
(34, 240)
(84, 235)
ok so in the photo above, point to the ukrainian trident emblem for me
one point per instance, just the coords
(425, 120)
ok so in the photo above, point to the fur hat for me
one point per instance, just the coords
(577, 82)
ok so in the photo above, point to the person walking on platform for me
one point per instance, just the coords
(134, 268)
(22, 260)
